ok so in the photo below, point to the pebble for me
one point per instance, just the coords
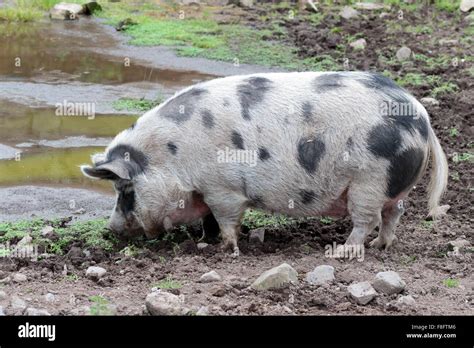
(466, 5)
(361, 292)
(323, 274)
(358, 44)
(49, 297)
(388, 282)
(202, 246)
(404, 53)
(428, 101)
(275, 278)
(348, 12)
(165, 303)
(211, 276)
(19, 278)
(95, 272)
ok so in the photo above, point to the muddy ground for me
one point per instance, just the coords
(422, 256)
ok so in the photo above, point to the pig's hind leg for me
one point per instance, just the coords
(390, 217)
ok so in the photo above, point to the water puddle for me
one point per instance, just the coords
(46, 52)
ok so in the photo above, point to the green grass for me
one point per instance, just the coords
(453, 132)
(428, 224)
(325, 220)
(100, 306)
(451, 283)
(463, 157)
(256, 218)
(168, 283)
(29, 10)
(138, 105)
(91, 233)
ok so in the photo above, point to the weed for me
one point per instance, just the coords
(139, 105)
(453, 132)
(326, 220)
(168, 283)
(451, 283)
(255, 219)
(100, 306)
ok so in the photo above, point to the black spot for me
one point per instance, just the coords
(252, 92)
(226, 102)
(126, 200)
(259, 129)
(180, 108)
(307, 197)
(350, 143)
(384, 140)
(328, 82)
(237, 140)
(257, 201)
(172, 148)
(403, 171)
(310, 152)
(307, 111)
(136, 160)
(207, 118)
(263, 154)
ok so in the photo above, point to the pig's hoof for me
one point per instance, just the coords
(236, 252)
(383, 243)
(377, 243)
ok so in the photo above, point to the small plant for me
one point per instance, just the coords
(466, 156)
(428, 224)
(100, 306)
(130, 251)
(326, 220)
(168, 283)
(255, 219)
(139, 105)
(453, 132)
(455, 176)
(72, 277)
(451, 283)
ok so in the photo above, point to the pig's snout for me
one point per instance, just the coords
(125, 231)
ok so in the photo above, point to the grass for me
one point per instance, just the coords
(29, 10)
(91, 233)
(453, 132)
(138, 105)
(255, 219)
(168, 283)
(428, 224)
(100, 306)
(463, 157)
(451, 283)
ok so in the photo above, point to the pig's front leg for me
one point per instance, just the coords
(228, 208)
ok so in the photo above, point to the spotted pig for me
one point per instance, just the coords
(301, 144)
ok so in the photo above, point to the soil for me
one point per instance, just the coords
(421, 257)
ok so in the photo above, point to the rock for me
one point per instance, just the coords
(211, 276)
(2, 312)
(246, 3)
(61, 14)
(204, 310)
(276, 278)
(91, 7)
(459, 244)
(165, 303)
(17, 303)
(388, 282)
(95, 272)
(406, 301)
(448, 42)
(348, 12)
(47, 231)
(323, 274)
(19, 278)
(358, 44)
(362, 292)
(36, 312)
(49, 297)
(369, 6)
(218, 290)
(257, 235)
(3, 295)
(75, 9)
(403, 54)
(466, 5)
(202, 246)
(428, 101)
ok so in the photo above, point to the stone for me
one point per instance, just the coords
(257, 235)
(61, 14)
(19, 278)
(75, 9)
(388, 282)
(348, 12)
(165, 303)
(466, 5)
(275, 278)
(209, 277)
(17, 303)
(49, 297)
(459, 244)
(246, 3)
(47, 231)
(406, 301)
(91, 7)
(3, 295)
(404, 53)
(358, 44)
(428, 101)
(369, 6)
(323, 274)
(202, 246)
(36, 312)
(362, 293)
(204, 310)
(95, 272)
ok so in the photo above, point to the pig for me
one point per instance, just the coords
(301, 144)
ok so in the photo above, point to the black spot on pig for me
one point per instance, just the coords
(257, 201)
(310, 151)
(307, 111)
(172, 148)
(384, 140)
(126, 200)
(328, 82)
(411, 123)
(237, 140)
(207, 118)
(263, 154)
(251, 93)
(259, 129)
(136, 160)
(350, 143)
(403, 171)
(307, 196)
(181, 108)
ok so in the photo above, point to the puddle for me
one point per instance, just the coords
(44, 52)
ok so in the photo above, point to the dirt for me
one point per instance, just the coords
(421, 257)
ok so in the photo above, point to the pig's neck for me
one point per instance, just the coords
(194, 208)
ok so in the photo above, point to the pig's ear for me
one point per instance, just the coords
(113, 170)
